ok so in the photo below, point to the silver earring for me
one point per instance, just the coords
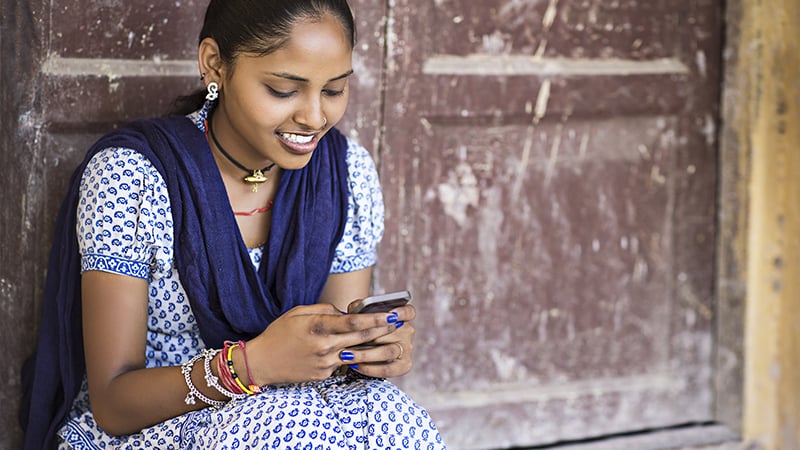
(213, 91)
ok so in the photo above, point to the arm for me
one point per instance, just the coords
(121, 389)
(301, 345)
(343, 288)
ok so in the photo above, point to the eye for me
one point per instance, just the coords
(279, 94)
(333, 92)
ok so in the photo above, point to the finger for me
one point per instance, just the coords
(364, 338)
(400, 351)
(384, 370)
(350, 323)
(406, 313)
(315, 309)
(385, 353)
(404, 333)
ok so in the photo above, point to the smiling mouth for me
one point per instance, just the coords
(297, 138)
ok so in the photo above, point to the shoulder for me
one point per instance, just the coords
(360, 164)
(121, 175)
(123, 213)
(355, 151)
(120, 162)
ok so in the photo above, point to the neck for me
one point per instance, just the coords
(228, 156)
(255, 176)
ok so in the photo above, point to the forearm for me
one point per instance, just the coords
(141, 398)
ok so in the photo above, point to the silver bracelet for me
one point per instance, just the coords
(186, 369)
(213, 381)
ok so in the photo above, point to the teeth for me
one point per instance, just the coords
(297, 138)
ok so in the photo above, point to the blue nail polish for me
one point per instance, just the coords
(353, 366)
(392, 318)
(347, 356)
(399, 324)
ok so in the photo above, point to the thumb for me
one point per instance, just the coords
(315, 309)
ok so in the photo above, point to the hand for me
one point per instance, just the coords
(305, 343)
(392, 354)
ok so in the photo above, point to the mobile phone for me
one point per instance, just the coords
(379, 303)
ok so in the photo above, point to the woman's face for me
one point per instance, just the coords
(277, 107)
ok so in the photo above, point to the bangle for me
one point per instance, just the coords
(186, 369)
(252, 386)
(224, 375)
(213, 381)
(232, 370)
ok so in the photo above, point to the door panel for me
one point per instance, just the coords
(549, 175)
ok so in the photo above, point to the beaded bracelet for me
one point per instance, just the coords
(213, 381)
(253, 387)
(224, 375)
(186, 369)
(232, 370)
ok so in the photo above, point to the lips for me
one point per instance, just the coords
(297, 138)
(298, 143)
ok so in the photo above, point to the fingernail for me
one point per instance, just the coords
(392, 318)
(347, 356)
(399, 324)
(353, 366)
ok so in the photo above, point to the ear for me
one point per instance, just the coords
(210, 62)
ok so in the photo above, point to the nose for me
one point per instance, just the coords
(311, 115)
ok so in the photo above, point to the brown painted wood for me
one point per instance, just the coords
(549, 172)
(21, 233)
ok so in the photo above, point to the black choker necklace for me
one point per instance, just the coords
(256, 175)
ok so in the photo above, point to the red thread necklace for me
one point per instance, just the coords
(255, 211)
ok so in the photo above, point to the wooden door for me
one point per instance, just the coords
(549, 170)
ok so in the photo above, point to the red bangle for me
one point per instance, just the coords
(225, 375)
(252, 386)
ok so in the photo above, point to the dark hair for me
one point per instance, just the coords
(260, 27)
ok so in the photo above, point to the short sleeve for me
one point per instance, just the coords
(124, 221)
(358, 248)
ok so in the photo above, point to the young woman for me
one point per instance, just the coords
(202, 263)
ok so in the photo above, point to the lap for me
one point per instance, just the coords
(348, 412)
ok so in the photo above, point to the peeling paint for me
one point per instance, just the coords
(508, 367)
(702, 64)
(368, 75)
(553, 159)
(541, 101)
(550, 14)
(459, 193)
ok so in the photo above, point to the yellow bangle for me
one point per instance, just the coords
(229, 360)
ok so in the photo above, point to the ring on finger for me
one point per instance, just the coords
(400, 346)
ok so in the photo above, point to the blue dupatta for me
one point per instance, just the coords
(229, 298)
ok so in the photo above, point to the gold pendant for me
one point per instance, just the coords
(256, 178)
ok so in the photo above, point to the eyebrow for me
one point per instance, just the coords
(289, 76)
